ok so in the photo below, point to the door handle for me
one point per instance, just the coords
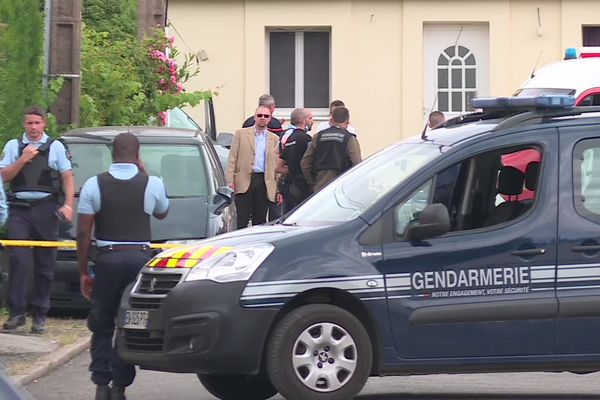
(586, 249)
(528, 252)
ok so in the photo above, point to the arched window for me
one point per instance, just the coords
(456, 79)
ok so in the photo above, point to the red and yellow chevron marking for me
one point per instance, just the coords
(186, 258)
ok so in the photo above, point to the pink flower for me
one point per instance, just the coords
(162, 118)
(171, 39)
(173, 79)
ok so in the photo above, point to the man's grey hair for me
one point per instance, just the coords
(266, 100)
(298, 116)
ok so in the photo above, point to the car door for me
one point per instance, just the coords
(578, 279)
(487, 287)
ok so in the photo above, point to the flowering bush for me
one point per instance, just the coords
(163, 54)
(131, 82)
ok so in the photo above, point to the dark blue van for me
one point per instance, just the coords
(474, 248)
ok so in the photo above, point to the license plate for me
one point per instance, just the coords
(135, 319)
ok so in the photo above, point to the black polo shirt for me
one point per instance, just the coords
(294, 150)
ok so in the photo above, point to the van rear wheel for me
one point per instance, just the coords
(236, 387)
(319, 352)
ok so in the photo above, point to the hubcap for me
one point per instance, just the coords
(324, 357)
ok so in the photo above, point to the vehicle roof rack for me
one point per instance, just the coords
(524, 103)
(541, 115)
(518, 110)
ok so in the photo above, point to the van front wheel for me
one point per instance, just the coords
(319, 352)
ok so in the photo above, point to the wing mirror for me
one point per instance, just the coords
(223, 198)
(433, 221)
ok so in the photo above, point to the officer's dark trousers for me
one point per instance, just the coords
(252, 204)
(114, 271)
(35, 222)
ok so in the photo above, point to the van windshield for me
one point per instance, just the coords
(181, 167)
(355, 191)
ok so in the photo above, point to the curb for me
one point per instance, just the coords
(52, 361)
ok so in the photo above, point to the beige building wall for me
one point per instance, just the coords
(376, 50)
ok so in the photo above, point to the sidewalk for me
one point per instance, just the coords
(25, 357)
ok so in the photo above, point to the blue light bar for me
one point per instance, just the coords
(570, 53)
(537, 102)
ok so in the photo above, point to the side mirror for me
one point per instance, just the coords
(223, 198)
(224, 139)
(433, 221)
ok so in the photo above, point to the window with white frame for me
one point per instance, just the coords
(299, 67)
(456, 79)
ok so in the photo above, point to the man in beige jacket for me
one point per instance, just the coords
(251, 169)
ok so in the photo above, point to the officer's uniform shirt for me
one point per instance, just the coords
(155, 198)
(58, 160)
(3, 205)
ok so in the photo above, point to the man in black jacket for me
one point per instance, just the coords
(288, 165)
(266, 100)
(331, 152)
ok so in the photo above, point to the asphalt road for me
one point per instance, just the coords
(71, 382)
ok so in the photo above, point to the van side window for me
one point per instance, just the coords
(586, 168)
(483, 191)
(590, 100)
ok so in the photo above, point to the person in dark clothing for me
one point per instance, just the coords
(274, 125)
(117, 205)
(331, 151)
(38, 170)
(296, 189)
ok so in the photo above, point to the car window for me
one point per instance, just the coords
(410, 209)
(586, 168)
(178, 118)
(590, 100)
(181, 167)
(485, 190)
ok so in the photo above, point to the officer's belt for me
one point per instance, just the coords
(16, 202)
(122, 247)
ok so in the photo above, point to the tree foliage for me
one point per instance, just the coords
(21, 52)
(117, 17)
(131, 82)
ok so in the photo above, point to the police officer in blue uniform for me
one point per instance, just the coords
(38, 169)
(118, 205)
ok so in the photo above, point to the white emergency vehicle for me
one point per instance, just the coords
(577, 75)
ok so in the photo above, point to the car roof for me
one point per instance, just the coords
(481, 124)
(154, 132)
